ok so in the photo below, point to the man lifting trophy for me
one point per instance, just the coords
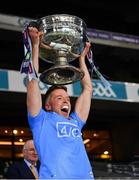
(56, 130)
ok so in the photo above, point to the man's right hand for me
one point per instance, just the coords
(35, 35)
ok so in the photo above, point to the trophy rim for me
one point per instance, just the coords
(39, 20)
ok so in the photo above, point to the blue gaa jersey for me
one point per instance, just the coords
(60, 146)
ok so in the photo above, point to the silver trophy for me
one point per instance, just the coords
(63, 41)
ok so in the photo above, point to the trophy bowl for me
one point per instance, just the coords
(63, 41)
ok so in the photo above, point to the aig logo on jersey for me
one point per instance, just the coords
(65, 129)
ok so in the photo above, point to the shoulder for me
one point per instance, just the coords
(12, 169)
(17, 164)
(41, 113)
(74, 116)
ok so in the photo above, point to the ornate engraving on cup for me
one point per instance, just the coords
(62, 42)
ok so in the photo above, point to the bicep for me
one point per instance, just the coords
(82, 106)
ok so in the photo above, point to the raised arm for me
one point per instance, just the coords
(83, 103)
(34, 101)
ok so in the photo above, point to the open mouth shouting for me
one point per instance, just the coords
(65, 110)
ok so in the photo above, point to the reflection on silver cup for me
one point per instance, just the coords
(62, 42)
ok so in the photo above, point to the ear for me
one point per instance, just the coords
(48, 107)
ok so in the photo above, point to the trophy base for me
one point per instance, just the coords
(61, 75)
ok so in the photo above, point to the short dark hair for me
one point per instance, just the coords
(52, 88)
